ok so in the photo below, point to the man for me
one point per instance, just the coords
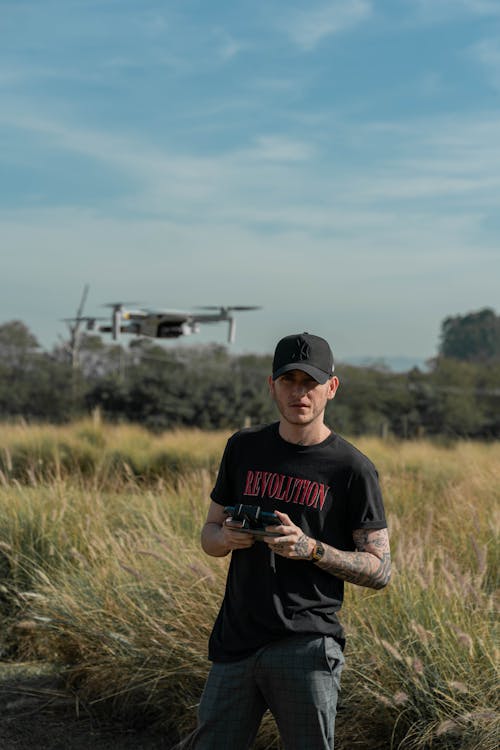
(277, 643)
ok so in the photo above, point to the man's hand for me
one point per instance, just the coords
(218, 538)
(293, 543)
(234, 539)
(369, 565)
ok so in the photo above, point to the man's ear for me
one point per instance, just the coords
(333, 384)
(270, 383)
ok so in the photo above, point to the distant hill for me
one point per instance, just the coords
(396, 364)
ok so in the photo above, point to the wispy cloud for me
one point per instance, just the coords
(209, 218)
(281, 149)
(430, 85)
(19, 74)
(229, 47)
(487, 53)
(444, 9)
(307, 28)
(274, 174)
(452, 162)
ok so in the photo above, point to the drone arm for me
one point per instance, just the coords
(117, 314)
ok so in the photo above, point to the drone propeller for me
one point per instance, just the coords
(245, 307)
(224, 313)
(116, 305)
(82, 317)
(228, 307)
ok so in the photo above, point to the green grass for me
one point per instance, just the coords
(102, 573)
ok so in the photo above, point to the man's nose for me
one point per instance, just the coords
(299, 388)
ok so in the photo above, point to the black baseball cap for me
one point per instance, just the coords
(306, 352)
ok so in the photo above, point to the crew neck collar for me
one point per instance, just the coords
(299, 446)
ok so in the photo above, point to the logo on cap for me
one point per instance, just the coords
(303, 350)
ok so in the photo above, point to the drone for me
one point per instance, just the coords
(157, 323)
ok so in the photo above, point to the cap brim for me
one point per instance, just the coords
(319, 375)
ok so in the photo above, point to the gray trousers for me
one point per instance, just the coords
(297, 679)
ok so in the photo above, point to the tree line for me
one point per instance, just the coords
(458, 394)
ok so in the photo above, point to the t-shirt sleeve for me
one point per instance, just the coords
(366, 506)
(222, 492)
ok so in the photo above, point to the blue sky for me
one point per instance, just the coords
(336, 162)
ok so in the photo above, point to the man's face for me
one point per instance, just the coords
(300, 399)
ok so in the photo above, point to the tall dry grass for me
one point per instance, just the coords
(102, 453)
(103, 576)
(426, 649)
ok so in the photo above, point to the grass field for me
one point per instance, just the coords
(102, 573)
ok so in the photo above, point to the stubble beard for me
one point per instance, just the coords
(302, 420)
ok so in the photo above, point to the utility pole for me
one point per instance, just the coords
(72, 346)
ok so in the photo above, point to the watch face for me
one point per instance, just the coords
(318, 552)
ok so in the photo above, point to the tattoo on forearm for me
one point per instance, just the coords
(369, 565)
(361, 568)
(364, 538)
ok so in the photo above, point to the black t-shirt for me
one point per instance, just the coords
(328, 490)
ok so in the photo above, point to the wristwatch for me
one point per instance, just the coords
(318, 552)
